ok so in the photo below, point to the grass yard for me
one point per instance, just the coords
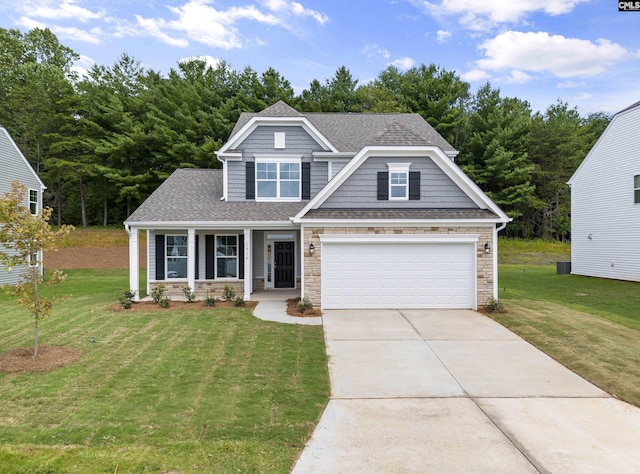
(590, 325)
(213, 390)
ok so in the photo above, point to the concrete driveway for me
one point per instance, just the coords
(453, 391)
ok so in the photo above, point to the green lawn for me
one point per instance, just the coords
(590, 325)
(213, 390)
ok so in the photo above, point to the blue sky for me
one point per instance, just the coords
(584, 52)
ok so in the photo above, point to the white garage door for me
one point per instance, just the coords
(398, 275)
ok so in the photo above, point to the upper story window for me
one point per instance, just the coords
(399, 181)
(277, 179)
(33, 201)
(636, 189)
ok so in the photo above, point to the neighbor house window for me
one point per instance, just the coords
(278, 180)
(33, 201)
(227, 256)
(636, 189)
(399, 181)
(176, 254)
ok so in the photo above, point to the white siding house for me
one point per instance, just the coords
(605, 203)
(14, 166)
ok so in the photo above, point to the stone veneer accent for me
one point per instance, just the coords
(214, 288)
(312, 263)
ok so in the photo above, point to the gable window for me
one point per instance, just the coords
(399, 181)
(636, 189)
(176, 255)
(278, 180)
(33, 201)
(226, 256)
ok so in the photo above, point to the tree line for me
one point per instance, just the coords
(102, 142)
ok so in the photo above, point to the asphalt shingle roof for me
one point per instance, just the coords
(193, 195)
(350, 132)
(402, 214)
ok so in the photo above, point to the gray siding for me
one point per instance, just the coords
(13, 166)
(258, 254)
(298, 142)
(437, 190)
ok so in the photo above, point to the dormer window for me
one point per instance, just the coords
(399, 181)
(279, 140)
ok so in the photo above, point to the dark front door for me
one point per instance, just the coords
(285, 274)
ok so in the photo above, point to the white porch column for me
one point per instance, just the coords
(191, 259)
(248, 268)
(134, 265)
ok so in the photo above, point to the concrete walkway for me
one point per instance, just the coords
(444, 391)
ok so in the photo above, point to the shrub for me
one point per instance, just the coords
(494, 305)
(189, 293)
(164, 302)
(158, 293)
(239, 301)
(304, 305)
(126, 300)
(227, 293)
(209, 300)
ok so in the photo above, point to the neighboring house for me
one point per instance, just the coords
(605, 203)
(15, 167)
(354, 210)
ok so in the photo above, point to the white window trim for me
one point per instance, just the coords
(215, 258)
(278, 159)
(167, 257)
(399, 168)
(37, 201)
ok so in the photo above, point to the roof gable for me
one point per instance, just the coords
(18, 159)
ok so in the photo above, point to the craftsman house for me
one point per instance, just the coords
(352, 210)
(605, 203)
(15, 167)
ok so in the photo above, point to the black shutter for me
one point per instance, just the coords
(306, 180)
(414, 185)
(251, 181)
(241, 256)
(383, 186)
(160, 257)
(209, 256)
(197, 259)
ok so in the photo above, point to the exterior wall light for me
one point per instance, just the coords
(487, 247)
(312, 249)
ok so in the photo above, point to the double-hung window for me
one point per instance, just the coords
(278, 179)
(33, 201)
(176, 255)
(399, 181)
(226, 256)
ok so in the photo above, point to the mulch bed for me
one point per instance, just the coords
(145, 306)
(292, 310)
(21, 361)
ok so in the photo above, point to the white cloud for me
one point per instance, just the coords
(485, 14)
(153, 27)
(555, 54)
(518, 77)
(296, 9)
(372, 50)
(65, 10)
(475, 75)
(582, 97)
(403, 63)
(571, 85)
(88, 36)
(442, 36)
(81, 66)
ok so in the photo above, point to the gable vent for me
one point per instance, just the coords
(279, 140)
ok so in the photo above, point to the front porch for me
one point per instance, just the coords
(255, 263)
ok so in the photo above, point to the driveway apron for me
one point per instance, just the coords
(453, 391)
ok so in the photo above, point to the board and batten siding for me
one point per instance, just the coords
(605, 221)
(14, 166)
(437, 190)
(261, 142)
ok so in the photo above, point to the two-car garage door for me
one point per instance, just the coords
(398, 275)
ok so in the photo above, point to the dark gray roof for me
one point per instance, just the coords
(350, 132)
(193, 195)
(402, 214)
